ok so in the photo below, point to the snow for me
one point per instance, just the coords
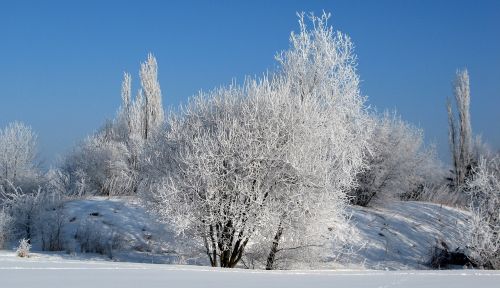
(44, 270)
(402, 235)
(141, 238)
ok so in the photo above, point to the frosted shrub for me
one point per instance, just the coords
(95, 237)
(23, 250)
(50, 221)
(35, 215)
(484, 235)
(24, 209)
(399, 165)
(99, 166)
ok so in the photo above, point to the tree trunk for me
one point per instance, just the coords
(274, 248)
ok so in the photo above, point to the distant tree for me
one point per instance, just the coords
(17, 155)
(99, 166)
(5, 224)
(460, 132)
(153, 109)
(107, 162)
(141, 116)
(20, 183)
(399, 165)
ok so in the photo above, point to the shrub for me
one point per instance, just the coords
(95, 237)
(399, 165)
(484, 192)
(23, 250)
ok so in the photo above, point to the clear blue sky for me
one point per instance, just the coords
(61, 62)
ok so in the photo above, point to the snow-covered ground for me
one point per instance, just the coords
(401, 235)
(398, 236)
(135, 235)
(51, 271)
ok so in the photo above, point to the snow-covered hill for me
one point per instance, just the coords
(127, 232)
(401, 235)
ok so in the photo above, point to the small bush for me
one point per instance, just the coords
(443, 258)
(95, 237)
(36, 215)
(50, 231)
(23, 250)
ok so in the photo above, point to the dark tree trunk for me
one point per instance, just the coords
(274, 248)
(28, 228)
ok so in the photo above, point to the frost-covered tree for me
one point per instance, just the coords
(399, 165)
(267, 162)
(322, 86)
(17, 156)
(210, 173)
(460, 132)
(106, 163)
(484, 235)
(141, 116)
(5, 225)
(99, 166)
(153, 109)
(23, 209)
(20, 183)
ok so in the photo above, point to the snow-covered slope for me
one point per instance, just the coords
(53, 271)
(403, 235)
(127, 231)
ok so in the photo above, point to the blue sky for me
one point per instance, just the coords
(61, 62)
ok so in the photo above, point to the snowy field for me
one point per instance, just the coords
(55, 271)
